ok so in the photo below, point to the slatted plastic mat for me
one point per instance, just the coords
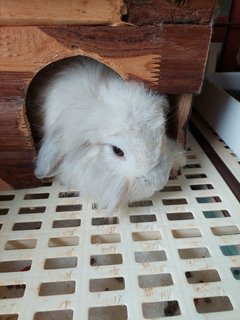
(176, 255)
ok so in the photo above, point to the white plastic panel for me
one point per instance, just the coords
(220, 147)
(176, 255)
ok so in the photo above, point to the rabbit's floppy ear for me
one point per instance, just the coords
(49, 157)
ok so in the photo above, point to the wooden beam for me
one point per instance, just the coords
(171, 11)
(57, 12)
(168, 58)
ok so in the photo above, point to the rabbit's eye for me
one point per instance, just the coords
(118, 152)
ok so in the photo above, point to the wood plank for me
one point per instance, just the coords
(183, 114)
(39, 12)
(16, 158)
(4, 185)
(171, 11)
(13, 113)
(170, 63)
(12, 83)
(19, 177)
(156, 55)
(16, 146)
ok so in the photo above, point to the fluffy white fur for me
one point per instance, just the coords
(87, 110)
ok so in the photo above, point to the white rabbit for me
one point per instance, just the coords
(105, 136)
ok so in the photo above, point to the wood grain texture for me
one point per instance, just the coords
(178, 116)
(39, 12)
(12, 114)
(16, 147)
(13, 83)
(172, 11)
(183, 107)
(168, 58)
(4, 185)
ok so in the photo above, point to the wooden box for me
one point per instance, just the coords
(163, 43)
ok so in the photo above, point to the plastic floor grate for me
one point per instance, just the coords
(176, 255)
